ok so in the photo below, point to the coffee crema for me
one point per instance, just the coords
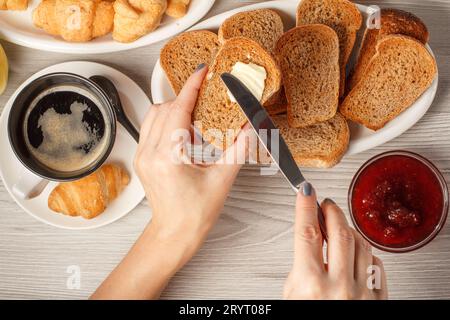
(65, 129)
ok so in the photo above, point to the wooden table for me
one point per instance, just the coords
(249, 253)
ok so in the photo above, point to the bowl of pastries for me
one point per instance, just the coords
(96, 26)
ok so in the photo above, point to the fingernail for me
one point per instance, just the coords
(307, 189)
(329, 201)
(200, 67)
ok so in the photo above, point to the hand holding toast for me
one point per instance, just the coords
(186, 198)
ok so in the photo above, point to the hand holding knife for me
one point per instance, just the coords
(260, 120)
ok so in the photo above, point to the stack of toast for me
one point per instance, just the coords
(306, 90)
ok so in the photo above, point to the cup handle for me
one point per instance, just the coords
(29, 186)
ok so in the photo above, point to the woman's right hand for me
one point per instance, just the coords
(351, 272)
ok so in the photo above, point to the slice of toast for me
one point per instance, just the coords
(277, 104)
(309, 60)
(342, 16)
(393, 21)
(182, 55)
(215, 116)
(398, 74)
(321, 145)
(263, 26)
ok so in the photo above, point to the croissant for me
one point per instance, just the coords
(89, 196)
(177, 8)
(75, 20)
(13, 4)
(136, 18)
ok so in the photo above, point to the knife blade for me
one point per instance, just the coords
(261, 122)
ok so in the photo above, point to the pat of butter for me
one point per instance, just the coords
(252, 76)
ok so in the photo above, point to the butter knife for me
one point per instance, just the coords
(261, 122)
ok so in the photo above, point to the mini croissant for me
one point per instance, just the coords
(75, 20)
(89, 197)
(177, 8)
(136, 18)
(13, 4)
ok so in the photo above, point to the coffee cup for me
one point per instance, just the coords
(61, 127)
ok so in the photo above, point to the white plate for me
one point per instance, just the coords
(135, 102)
(17, 27)
(362, 139)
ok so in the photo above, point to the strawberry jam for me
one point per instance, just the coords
(398, 200)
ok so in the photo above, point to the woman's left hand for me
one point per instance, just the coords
(186, 198)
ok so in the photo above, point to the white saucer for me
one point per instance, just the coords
(136, 104)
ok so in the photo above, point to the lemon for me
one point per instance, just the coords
(3, 70)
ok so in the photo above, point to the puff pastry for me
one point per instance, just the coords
(177, 8)
(13, 4)
(136, 18)
(75, 20)
(89, 197)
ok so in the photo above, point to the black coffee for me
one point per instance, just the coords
(65, 129)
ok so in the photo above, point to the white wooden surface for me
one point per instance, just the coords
(249, 252)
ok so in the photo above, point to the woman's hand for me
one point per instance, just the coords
(186, 199)
(350, 260)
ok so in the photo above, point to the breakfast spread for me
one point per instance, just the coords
(298, 75)
(3, 70)
(398, 200)
(85, 20)
(13, 4)
(65, 130)
(312, 60)
(89, 197)
(252, 76)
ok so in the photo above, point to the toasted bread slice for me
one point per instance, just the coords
(342, 16)
(321, 145)
(215, 116)
(277, 104)
(182, 55)
(398, 74)
(393, 21)
(263, 26)
(309, 60)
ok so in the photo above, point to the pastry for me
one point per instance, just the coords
(13, 4)
(89, 196)
(136, 18)
(177, 8)
(75, 20)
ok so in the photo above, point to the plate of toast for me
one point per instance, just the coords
(96, 26)
(340, 78)
(100, 198)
